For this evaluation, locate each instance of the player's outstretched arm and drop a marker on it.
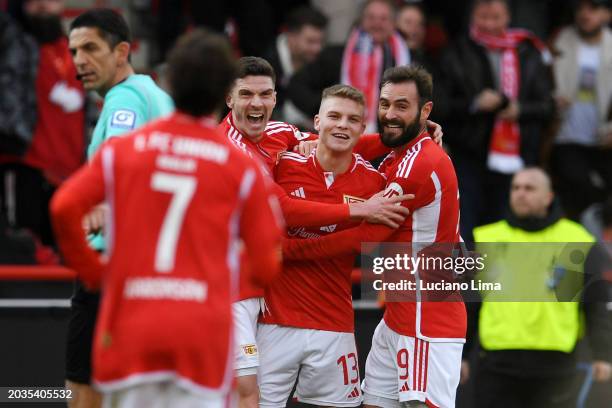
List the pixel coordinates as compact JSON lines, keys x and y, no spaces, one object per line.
{"x":378,"y":209}
{"x":347,"y":242}
{"x":69,"y":205}
{"x":260,"y":228}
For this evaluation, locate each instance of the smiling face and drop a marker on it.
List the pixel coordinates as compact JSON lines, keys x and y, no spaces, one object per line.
{"x":377,"y":20}
{"x":252,"y":100}
{"x":96,"y":63}
{"x":400,"y":115}
{"x":340,"y":123}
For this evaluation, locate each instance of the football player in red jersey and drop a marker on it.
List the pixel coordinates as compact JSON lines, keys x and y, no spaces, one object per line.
{"x":307,"y":331}
{"x":416,"y":350}
{"x":180,"y":198}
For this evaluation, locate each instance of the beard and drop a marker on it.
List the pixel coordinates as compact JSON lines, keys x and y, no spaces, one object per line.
{"x":410,"y":131}
{"x":45,"y":29}
{"x":589,"y":34}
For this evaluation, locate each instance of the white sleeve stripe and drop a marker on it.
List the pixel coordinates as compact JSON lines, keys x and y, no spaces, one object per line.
{"x":274,"y":125}
{"x":271,"y":132}
{"x":108,"y":163}
{"x":294,"y":156}
{"x":406,"y":172}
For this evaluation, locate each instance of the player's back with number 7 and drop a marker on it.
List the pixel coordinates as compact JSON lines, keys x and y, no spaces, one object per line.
{"x":181,"y":198}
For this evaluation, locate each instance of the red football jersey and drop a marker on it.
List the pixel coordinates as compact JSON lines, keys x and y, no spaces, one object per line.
{"x":421,"y":168}
{"x":181,"y":197}
{"x":317,"y":294}
{"x":278,"y":137}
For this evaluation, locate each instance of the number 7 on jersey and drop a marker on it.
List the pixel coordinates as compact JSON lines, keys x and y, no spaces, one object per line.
{"x":182,"y":189}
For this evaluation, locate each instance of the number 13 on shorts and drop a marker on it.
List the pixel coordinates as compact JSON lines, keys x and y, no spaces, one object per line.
{"x":351,"y":375}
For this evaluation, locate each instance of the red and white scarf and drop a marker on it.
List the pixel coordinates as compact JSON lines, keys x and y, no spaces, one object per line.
{"x":504,"y":150}
{"x":362,"y":66}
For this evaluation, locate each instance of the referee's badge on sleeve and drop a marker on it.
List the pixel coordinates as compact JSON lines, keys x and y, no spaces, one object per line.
{"x":124,"y":119}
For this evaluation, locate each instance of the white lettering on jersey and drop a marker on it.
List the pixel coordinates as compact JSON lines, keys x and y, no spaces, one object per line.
{"x":166,"y":288}
{"x":174,"y":163}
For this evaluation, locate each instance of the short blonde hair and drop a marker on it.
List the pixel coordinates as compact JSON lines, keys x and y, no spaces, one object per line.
{"x":344,"y":91}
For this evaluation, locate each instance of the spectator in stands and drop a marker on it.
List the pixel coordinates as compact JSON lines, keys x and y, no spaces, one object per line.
{"x":299,"y":45}
{"x":582,"y":155}
{"x":42,"y":115}
{"x":341,"y":15}
{"x":493,"y":96}
{"x":411,"y":24}
{"x":528,"y":348}
{"x":372,"y":47}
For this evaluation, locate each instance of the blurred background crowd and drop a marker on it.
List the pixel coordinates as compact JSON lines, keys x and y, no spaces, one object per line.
{"x":541,"y":96}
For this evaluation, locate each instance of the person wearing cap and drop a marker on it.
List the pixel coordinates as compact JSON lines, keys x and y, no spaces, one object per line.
{"x":581,"y":157}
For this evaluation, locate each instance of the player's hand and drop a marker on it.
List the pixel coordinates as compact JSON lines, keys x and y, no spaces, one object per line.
{"x":436,"y":132}
{"x":306,"y":147}
{"x":382,"y":210}
{"x":93,"y":222}
{"x":602,"y":371}
{"x":465,"y":372}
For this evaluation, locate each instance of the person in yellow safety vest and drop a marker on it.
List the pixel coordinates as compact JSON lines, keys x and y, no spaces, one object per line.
{"x":527,"y":349}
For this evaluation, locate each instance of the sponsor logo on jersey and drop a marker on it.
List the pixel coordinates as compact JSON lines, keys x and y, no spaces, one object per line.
{"x":405,"y":387}
{"x":249,"y":349}
{"x":349,"y":199}
{"x":123,"y":118}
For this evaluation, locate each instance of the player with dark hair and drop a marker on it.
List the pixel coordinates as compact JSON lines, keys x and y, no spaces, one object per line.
{"x":180,"y":199}
{"x":99,"y":41}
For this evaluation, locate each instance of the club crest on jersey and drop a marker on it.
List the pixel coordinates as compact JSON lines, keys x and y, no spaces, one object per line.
{"x":349,"y":199}
{"x":249,"y":349}
{"x":393,"y":190}
{"x":123,"y":118}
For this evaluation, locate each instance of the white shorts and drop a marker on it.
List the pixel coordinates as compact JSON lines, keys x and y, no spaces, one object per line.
{"x":323,"y":362}
{"x":402,"y":368}
{"x":246,"y":313}
{"x":161,"y":395}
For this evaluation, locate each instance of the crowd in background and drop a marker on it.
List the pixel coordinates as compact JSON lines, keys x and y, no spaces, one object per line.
{"x":556,"y":112}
